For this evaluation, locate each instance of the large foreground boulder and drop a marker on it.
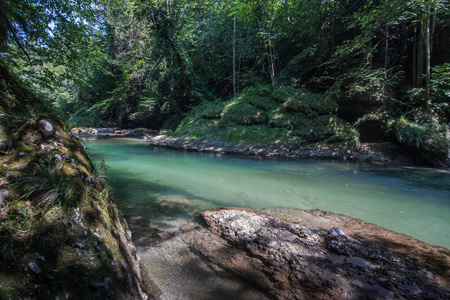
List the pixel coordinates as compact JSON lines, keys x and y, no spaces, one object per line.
{"x":293,"y":261}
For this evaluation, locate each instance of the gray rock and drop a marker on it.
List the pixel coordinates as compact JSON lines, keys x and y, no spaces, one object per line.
{"x":291,"y":268}
{"x":58,"y":157}
{"x":336,"y":232}
{"x":79,"y":245}
{"x":21,"y":153}
{"x":3,"y":194}
{"x":47,"y":126}
{"x":40,"y":257}
{"x":34,"y":267}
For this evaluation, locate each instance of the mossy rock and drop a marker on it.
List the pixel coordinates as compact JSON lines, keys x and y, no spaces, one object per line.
{"x":282,"y":119}
{"x":283,"y":93}
{"x":253,"y":134}
{"x":243,"y":114}
{"x":212,"y":111}
{"x":264,"y":103}
{"x":302,"y":100}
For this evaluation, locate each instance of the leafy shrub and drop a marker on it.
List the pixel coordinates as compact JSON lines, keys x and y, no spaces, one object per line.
{"x":424,"y":141}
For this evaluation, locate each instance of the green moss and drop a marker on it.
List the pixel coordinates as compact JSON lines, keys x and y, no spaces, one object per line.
{"x":243,"y":114}
{"x":258,"y":115}
{"x":253,"y":134}
{"x":212,"y":111}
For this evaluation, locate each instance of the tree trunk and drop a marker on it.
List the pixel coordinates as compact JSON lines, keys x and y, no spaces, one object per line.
{"x":428,"y":56}
{"x":386,"y":52}
{"x":272,"y":62}
{"x":420,"y":53}
{"x":234,"y":55}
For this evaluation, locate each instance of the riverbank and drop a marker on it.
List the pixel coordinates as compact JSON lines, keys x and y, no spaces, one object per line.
{"x":387,"y":153}
{"x":384,"y":153}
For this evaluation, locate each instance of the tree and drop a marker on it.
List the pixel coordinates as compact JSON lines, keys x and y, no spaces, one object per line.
{"x":45,"y":32}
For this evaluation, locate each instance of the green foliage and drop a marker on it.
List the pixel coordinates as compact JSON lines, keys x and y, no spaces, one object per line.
{"x":439,"y":100}
{"x":421,"y":139}
{"x":148,"y":64}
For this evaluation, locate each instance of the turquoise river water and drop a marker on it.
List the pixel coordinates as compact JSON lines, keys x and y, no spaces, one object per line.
{"x":410,"y":200}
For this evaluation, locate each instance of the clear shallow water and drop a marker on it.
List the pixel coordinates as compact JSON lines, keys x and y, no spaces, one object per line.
{"x":410,"y":200}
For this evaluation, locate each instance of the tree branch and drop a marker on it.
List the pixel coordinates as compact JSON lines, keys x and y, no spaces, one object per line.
{"x":17,"y":39}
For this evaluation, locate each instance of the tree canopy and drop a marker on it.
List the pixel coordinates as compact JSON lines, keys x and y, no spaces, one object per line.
{"x":129,"y":63}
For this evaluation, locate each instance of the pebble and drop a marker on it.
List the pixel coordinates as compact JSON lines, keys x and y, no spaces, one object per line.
{"x":336,"y":232}
{"x":58,"y":157}
{"x":79,"y":245}
{"x":40,"y":257}
{"x":47,"y":126}
{"x":34,"y":267}
{"x":3,"y":194}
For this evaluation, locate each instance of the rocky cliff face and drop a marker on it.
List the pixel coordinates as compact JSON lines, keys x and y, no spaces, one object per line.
{"x":61,"y":235}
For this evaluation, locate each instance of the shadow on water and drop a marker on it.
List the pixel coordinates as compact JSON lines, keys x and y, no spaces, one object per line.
{"x":438,"y":179}
{"x":137,"y":196}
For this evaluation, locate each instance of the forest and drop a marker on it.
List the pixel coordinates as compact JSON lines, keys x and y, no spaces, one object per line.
{"x":80,"y":218}
{"x":340,"y":71}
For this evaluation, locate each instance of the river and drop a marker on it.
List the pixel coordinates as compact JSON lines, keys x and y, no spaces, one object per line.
{"x":168,"y":186}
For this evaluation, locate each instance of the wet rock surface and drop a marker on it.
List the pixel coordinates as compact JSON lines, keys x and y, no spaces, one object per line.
{"x":177,"y":205}
{"x":144,"y":234}
{"x":289,"y":260}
